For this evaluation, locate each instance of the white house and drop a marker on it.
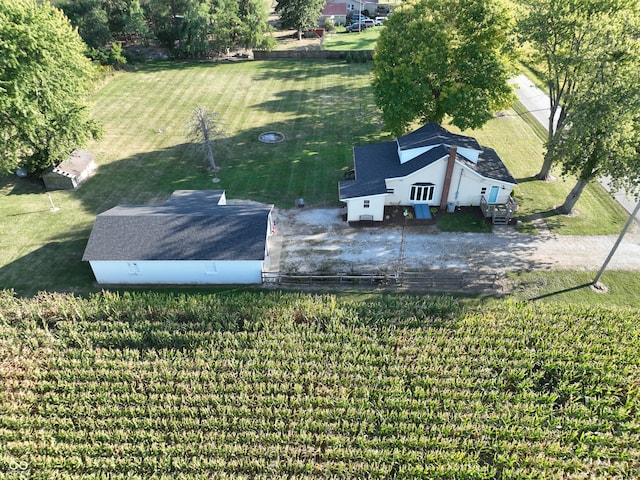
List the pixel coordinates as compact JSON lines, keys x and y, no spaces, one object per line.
{"x":428,"y":167}
{"x":193,"y":238}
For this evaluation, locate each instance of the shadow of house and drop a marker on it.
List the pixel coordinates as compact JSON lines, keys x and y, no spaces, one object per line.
{"x":70,"y":173}
{"x":193,"y":238}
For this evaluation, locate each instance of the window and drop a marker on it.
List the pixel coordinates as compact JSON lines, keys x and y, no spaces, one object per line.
{"x":133,"y":268}
{"x":210,"y":268}
{"x":422,"y":192}
{"x":391,"y":190}
{"x":367,"y":204}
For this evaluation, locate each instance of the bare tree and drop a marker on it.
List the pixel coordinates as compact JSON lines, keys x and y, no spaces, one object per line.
{"x":204,"y":127}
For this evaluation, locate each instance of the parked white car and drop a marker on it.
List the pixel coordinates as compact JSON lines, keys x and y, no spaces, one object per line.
{"x":378,"y":21}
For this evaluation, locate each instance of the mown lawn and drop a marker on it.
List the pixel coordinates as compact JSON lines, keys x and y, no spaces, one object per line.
{"x":521,"y":148}
{"x":342,"y":40}
{"x":146,"y":153}
{"x":323,"y":109}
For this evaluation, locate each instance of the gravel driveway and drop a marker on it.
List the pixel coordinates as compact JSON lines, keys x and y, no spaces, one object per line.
{"x":317,"y":239}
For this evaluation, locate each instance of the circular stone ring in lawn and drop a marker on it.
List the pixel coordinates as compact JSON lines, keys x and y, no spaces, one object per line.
{"x":271,"y":137}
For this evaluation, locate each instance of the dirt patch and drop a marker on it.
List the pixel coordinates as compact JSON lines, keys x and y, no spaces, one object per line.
{"x":320,"y":240}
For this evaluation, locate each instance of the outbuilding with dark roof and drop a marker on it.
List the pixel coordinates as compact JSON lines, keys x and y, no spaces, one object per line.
{"x":193,"y":238}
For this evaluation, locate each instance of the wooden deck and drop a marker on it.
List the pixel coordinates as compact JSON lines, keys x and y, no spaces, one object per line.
{"x":500,"y":213}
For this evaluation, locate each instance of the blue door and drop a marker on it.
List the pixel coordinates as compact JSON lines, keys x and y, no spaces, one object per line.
{"x":493,"y":194}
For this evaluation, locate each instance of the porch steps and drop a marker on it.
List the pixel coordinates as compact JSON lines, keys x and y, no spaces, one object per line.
{"x":500,"y":215}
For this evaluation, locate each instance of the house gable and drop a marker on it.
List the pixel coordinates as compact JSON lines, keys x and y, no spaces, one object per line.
{"x":431,"y":135}
{"x":374,"y":164}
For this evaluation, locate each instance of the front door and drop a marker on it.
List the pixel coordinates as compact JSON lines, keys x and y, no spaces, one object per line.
{"x":493,"y":194}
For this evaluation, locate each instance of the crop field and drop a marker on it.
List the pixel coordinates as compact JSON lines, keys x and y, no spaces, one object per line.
{"x":300,"y":386}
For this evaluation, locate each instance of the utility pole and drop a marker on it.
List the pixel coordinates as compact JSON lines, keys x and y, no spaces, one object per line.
{"x":632,"y":218}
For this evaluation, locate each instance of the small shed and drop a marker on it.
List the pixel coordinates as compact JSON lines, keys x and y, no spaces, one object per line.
{"x":70,"y":173}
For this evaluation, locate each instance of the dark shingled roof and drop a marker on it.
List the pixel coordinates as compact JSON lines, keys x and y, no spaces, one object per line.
{"x":374,"y":163}
{"x":434,"y":134}
{"x":377,"y":162}
{"x":180,"y":229}
{"x":490,"y":166}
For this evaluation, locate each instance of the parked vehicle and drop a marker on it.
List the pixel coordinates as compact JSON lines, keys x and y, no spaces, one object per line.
{"x":368,"y":22}
{"x":357,"y":27}
{"x":357,"y":19}
{"x":379,"y":21}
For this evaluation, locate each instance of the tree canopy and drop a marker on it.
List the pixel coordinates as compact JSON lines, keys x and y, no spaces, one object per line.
{"x":191,"y":28}
{"x":588,"y":52}
{"x":436,"y":59}
{"x":569,"y":40}
{"x":299,"y":15}
{"x":601,"y":137}
{"x":44,"y":78}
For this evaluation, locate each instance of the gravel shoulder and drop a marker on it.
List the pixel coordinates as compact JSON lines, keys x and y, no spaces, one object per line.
{"x":317,"y":239}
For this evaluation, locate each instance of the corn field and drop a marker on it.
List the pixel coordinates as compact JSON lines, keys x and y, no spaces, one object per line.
{"x":287,"y":385}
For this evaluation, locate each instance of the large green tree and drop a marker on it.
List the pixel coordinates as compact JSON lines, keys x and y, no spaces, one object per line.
{"x":256,"y":31}
{"x":44,"y":78}
{"x":601,"y":137}
{"x":91,"y":20}
{"x":195,"y":28}
{"x":135,"y":22}
{"x":299,"y":15}
{"x":569,"y":38}
{"x":443,"y":58}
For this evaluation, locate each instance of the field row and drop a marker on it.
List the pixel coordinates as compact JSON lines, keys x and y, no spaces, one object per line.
{"x":314,"y":387}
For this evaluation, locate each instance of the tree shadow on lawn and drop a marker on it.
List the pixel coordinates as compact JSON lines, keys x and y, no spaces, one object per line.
{"x":304,"y":164}
{"x":168,"y":65}
{"x":144,"y":178}
{"x":329,"y":118}
{"x":15,"y":185}
{"x":54,"y":267}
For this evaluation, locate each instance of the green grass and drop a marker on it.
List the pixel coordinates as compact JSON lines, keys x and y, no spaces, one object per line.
{"x":342,"y":40}
{"x":520,"y":146}
{"x":462,"y":222}
{"x":145,"y":155}
{"x":314,"y":386}
{"x":574,"y":287}
{"x":148,"y":155}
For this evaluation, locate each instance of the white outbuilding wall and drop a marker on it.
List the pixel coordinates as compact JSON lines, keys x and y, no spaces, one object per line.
{"x":365,"y":208}
{"x":172,"y":272}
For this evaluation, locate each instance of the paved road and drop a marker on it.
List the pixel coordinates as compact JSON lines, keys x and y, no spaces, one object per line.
{"x":537,"y":103}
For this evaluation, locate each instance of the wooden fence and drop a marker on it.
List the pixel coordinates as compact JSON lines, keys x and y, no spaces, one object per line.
{"x":425,"y":280}
{"x":375,"y":279}
{"x":353,"y":55}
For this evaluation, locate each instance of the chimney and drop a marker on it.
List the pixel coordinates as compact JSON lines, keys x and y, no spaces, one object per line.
{"x":447,"y":176}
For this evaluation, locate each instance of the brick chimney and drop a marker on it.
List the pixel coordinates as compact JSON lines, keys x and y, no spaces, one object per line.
{"x":447,"y":176}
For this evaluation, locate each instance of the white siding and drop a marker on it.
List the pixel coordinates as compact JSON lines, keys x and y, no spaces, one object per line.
{"x":357,"y":211}
{"x":433,"y":173}
{"x":177,"y":272}
{"x":466,"y":189}
{"x":407,"y":155}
